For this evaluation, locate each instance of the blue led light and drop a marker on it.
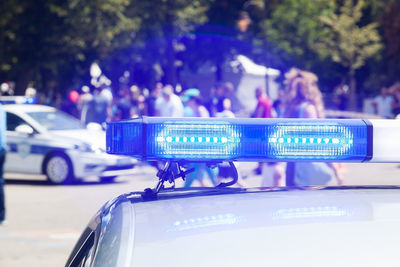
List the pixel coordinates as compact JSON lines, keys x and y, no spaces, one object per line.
{"x":191,"y":140}
{"x":197,"y":139}
{"x":311,"y":212}
{"x":326,"y":141}
{"x":29,"y":100}
{"x":202,"y":222}
{"x":18,"y":100}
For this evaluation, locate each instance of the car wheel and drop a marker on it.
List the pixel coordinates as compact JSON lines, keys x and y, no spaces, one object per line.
{"x":58,"y":169}
{"x":107,"y":179}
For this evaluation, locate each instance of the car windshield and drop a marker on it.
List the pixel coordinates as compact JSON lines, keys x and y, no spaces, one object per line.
{"x":56,"y":120}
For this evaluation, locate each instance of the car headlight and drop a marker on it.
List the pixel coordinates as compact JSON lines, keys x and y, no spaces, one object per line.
{"x":96,"y":149}
{"x":90,"y":148}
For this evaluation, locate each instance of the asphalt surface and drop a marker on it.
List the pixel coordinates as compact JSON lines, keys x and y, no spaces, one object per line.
{"x":44,"y":221}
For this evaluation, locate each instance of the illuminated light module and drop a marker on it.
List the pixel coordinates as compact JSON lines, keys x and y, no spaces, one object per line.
{"x":193,"y":139}
{"x":240,"y":140}
{"x":310,"y":140}
{"x":206,"y":221}
{"x":311,"y":212}
{"x":196,"y":140}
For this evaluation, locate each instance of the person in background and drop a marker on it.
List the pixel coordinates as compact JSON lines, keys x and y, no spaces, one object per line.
{"x":278,"y":106}
{"x":212,"y":101}
{"x":141,"y":108}
{"x":194,"y":108}
{"x":304,"y":100}
{"x":263,"y":110}
{"x":153,"y":103}
{"x":6,"y":89}
{"x":264,"y":105}
{"x":83,"y":103}
{"x":123,"y":106}
{"x":217,"y":96}
{"x":3,"y":147}
{"x":99,"y":110}
{"x":169,"y":104}
{"x":341,"y":98}
{"x":151,"y":100}
{"x":394,"y":90}
{"x":225,"y":170}
{"x":271,"y":172}
{"x":229,"y":93}
{"x":57,"y":101}
{"x":106,"y":93}
{"x":135,"y":94}
{"x":193,"y":104}
{"x":226,"y":112}
{"x":70,"y":105}
{"x":383,"y":104}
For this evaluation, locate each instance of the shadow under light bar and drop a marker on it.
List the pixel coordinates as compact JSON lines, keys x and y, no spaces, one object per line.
{"x":214,"y":139}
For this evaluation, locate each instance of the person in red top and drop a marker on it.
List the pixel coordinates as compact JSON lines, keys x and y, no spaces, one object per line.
{"x":264,"y":105}
{"x":263,"y":110}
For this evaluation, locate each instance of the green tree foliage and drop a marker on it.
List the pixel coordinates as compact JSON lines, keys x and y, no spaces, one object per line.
{"x":293,"y":28}
{"x":347,"y":43}
{"x":53,"y":40}
{"x":97,"y":25}
{"x":390,"y":23}
{"x":217,"y":40}
{"x":155,"y":47}
{"x":230,"y":30}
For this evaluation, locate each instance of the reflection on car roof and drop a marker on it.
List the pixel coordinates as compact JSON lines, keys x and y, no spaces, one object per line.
{"x":28,"y":108}
{"x":255,"y":227}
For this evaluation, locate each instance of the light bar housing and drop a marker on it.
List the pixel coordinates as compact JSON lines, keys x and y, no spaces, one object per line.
{"x":17,"y":100}
{"x":222,"y":139}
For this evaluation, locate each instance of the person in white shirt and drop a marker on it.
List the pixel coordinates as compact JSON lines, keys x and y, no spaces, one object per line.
{"x":383,"y":104}
{"x":227,"y":112}
{"x":169,"y":104}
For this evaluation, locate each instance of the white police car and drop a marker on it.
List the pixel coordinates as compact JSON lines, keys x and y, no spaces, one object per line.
{"x":299,"y":226}
{"x":44,"y":140}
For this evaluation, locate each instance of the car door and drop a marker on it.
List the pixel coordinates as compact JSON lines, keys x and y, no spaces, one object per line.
{"x":23,"y":153}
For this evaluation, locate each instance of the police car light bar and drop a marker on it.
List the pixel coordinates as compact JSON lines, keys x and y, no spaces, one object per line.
{"x":212,"y":139}
{"x":386,"y":143}
{"x":17,"y":100}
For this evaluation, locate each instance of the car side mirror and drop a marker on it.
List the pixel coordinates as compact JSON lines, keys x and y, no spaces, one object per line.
{"x":92,"y":126}
{"x":24,"y":129}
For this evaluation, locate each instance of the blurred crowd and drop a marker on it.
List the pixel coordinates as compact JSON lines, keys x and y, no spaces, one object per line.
{"x":101,"y":104}
{"x":300,"y":98}
{"x":387,"y":103}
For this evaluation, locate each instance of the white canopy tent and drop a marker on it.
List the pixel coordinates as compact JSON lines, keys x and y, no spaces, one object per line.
{"x":254,"y":75}
{"x":245,"y":75}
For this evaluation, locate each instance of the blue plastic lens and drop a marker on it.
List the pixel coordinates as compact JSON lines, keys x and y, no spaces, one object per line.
{"x":307,"y":141}
{"x":191,"y":140}
{"x":240,"y":139}
{"x":29,"y":100}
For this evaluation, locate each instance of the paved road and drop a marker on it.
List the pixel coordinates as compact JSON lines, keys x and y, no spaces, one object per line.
{"x":45,"y":221}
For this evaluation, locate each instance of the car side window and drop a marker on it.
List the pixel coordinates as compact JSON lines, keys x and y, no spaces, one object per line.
{"x":13,"y":121}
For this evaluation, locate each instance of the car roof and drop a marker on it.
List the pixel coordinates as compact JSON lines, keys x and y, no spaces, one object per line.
{"x":355,"y":227}
{"x":22,"y":110}
{"x":28,"y":108}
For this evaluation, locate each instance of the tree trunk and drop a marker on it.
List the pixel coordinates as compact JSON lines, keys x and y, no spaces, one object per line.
{"x":267,"y":66}
{"x":353,"y":93}
{"x":218,"y":72}
{"x":170,"y":70}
